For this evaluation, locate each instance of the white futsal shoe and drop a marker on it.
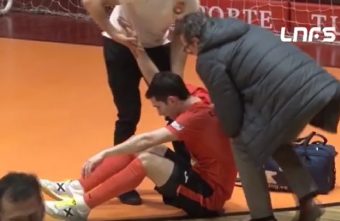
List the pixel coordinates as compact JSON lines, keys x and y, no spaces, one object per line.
{"x":69,"y":209}
{"x":62,"y":189}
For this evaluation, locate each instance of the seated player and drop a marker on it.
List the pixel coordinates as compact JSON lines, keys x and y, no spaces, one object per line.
{"x":20,"y":198}
{"x":200,"y":190}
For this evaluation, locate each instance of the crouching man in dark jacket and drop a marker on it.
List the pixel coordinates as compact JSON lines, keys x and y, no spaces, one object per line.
{"x":265,"y":92}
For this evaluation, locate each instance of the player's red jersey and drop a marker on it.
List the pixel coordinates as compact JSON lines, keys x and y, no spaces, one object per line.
{"x":209,"y":147}
{"x":200,"y":92}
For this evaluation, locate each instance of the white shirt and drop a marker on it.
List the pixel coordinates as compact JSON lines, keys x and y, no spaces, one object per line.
{"x":151,"y":19}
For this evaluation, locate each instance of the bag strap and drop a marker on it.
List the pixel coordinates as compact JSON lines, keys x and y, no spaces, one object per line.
{"x":324,"y":139}
{"x":305,"y":141}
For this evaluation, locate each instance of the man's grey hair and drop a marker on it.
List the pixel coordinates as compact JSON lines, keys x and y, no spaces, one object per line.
{"x":191,"y":25}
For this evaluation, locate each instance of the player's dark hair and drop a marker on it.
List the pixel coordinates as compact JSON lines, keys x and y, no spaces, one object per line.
{"x":165,"y":84}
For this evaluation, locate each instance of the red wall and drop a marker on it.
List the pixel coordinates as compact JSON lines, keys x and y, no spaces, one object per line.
{"x":271,"y":14}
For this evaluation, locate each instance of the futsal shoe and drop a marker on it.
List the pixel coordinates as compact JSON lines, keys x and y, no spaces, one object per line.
{"x":62,"y":189}
{"x":69,"y":209}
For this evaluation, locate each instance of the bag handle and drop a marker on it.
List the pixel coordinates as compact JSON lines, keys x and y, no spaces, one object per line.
{"x":305,"y":141}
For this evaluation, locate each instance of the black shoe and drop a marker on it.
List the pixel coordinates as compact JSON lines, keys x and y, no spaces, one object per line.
{"x":131,"y":198}
{"x":309,"y":211}
{"x":269,"y":218}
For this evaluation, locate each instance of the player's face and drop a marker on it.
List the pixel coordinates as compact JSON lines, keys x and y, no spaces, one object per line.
{"x":28,"y":210}
{"x":167,"y":109}
{"x":190,"y":47}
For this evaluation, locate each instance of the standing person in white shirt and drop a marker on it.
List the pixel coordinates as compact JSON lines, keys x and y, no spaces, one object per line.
{"x":151,"y":20}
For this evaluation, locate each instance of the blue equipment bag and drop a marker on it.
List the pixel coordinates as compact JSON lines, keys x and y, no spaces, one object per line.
{"x":318,"y":157}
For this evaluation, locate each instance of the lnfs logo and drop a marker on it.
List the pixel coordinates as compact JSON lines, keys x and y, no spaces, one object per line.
{"x":328,"y":34}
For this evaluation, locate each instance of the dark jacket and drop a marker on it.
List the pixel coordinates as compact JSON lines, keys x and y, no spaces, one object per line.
{"x":265,"y":91}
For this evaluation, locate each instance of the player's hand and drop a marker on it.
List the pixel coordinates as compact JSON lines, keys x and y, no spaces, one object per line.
{"x":92,"y":163}
{"x":136,"y":49}
{"x":136,"y":45}
{"x":127,"y":41}
{"x":126,"y":26}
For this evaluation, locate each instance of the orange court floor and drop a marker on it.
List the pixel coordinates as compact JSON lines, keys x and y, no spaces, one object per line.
{"x":57,"y":110}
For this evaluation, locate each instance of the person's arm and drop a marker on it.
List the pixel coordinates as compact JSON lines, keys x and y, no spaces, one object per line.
{"x":133,"y":145}
{"x":96,"y":9}
{"x":228,"y":103}
{"x":145,"y":64}
{"x":141,"y":142}
{"x":149,"y":69}
{"x":178,"y":55}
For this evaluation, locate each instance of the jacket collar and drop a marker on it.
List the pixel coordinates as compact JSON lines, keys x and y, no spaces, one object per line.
{"x":217,"y":32}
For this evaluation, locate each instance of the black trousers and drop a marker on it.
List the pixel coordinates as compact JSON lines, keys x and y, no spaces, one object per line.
{"x":124,"y":77}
